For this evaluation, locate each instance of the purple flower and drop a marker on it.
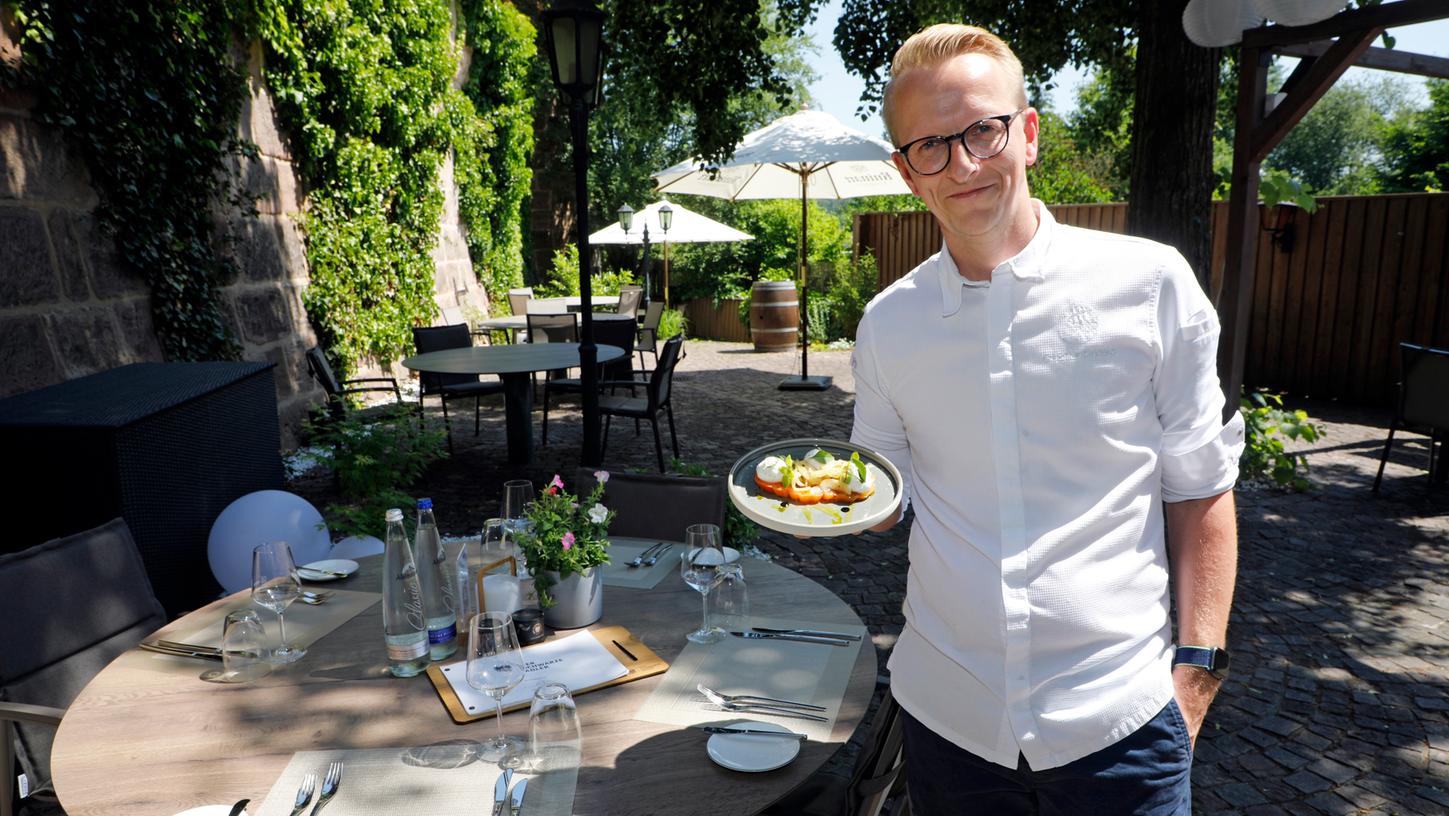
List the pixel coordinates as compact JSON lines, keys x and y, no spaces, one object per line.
{"x":601,"y":476}
{"x":567,"y":541}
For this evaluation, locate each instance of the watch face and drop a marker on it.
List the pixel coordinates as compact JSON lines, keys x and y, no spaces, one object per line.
{"x":1220,"y":661}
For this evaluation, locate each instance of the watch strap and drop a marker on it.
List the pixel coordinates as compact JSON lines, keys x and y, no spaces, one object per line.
{"x":1211,"y":660}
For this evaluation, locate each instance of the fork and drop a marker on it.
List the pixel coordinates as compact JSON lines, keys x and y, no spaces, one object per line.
{"x":773,"y":711}
{"x":654,"y":559}
{"x":314,"y":598}
{"x":304,"y":793}
{"x":639,"y":559}
{"x":744,"y":699}
{"x":330,"y":783}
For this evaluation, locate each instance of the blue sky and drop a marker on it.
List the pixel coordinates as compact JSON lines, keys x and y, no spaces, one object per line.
{"x":838,"y":92}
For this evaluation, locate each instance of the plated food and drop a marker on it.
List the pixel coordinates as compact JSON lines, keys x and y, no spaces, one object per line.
{"x":817,"y":477}
{"x":815,"y":487}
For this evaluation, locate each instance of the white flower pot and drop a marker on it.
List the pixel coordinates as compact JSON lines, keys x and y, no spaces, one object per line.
{"x":578,"y":600}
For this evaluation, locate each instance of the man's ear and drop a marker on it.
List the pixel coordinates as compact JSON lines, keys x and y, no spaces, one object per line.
{"x":905,"y":171}
{"x":1031,"y":128}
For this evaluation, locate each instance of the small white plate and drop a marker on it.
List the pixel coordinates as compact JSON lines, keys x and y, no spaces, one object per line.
{"x":753,"y":753}
{"x":731,"y":555}
{"x":343,"y":565}
{"x":209,"y":810}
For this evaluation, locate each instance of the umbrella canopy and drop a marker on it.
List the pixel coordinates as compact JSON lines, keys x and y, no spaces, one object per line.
{"x":805,"y":155}
{"x":688,"y":227}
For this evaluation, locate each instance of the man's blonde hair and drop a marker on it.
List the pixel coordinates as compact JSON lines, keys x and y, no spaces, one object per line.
{"x":938,"y":43}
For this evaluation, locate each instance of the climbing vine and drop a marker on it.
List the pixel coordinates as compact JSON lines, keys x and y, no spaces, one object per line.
{"x":148,"y":96}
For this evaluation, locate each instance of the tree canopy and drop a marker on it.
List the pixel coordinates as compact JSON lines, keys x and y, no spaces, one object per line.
{"x":1416,"y":147}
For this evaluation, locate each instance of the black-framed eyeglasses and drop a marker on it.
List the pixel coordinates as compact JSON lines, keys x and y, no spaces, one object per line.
{"x":984,"y":139}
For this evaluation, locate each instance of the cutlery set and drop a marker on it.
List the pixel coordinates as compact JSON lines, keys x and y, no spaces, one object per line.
{"x":178,"y":649}
{"x":651,"y":556}
{"x":757,"y":703}
{"x":508,"y":795}
{"x":331,"y":781}
{"x":799,"y":636}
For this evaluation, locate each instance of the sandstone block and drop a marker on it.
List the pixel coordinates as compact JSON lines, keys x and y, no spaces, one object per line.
{"x":258,"y":122}
{"x":262,"y":314}
{"x":29,"y":275}
{"x":272,"y":183}
{"x":26,"y":356}
{"x":86,"y":340}
{"x":260,"y":250}
{"x":138,"y":331}
{"x":110,"y":276}
{"x":65,"y":238}
{"x":294,"y":252}
{"x":35,"y":165}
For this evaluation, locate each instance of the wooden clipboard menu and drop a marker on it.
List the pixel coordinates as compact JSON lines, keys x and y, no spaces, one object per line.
{"x":638,"y":660}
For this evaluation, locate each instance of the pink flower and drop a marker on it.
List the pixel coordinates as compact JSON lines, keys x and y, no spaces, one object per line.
{"x":567,"y":541}
{"x":554,"y":486}
{"x":601,"y":476}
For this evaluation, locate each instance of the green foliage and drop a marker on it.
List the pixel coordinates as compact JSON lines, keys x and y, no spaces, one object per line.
{"x":375,"y":458}
{"x":1416,"y":146}
{"x":717,"y":271}
{"x":1101,"y":126}
{"x":363,"y":89}
{"x":739,"y":531}
{"x":1277,"y":187}
{"x":148,"y":96}
{"x":562,"y":277}
{"x":1335,"y":148}
{"x":672,"y":322}
{"x":568,"y":535}
{"x":1065,"y":173}
{"x":1267,"y":425}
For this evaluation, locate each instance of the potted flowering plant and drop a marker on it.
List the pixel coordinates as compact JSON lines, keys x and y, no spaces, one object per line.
{"x":566,"y":543}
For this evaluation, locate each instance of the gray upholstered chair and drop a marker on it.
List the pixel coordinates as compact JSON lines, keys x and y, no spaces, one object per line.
{"x":1423,"y":406}
{"x":648,"y":338}
{"x":630,"y":296}
{"x":338,"y":390}
{"x":451,"y":386}
{"x":658,"y":507}
{"x":656,"y":400}
{"x":68,"y":607}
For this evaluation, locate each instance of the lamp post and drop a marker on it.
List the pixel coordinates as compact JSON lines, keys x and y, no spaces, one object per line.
{"x":573,"y":30}
{"x":666,"y":217}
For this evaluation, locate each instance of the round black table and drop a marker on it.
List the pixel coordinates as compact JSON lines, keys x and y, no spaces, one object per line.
{"x":513,"y":364}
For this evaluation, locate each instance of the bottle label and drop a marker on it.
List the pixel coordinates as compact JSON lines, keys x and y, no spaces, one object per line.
{"x":403,"y":652}
{"x":443,"y":635}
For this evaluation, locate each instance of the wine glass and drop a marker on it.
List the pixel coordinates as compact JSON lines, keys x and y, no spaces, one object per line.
{"x":699,"y":566}
{"x":517,"y":495}
{"x":275,"y":584}
{"x":730,"y":600}
{"x":554,"y":737}
{"x":241,"y":649}
{"x":495,"y":667}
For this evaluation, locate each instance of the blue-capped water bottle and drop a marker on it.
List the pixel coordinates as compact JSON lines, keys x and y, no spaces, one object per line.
{"x":436,"y":581}
{"x":403,"y":626}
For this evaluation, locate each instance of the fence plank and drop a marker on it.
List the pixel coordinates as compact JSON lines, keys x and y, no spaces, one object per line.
{"x":1369,"y":265}
{"x":1386,"y":300}
{"x":1309,"y":293}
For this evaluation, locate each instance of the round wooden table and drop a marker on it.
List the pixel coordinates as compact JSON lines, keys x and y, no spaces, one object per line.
{"x":146,"y":736}
{"x":513,"y":364}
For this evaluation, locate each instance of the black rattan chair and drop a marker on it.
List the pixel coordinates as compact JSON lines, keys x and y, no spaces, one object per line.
{"x":451,"y":386}
{"x":649,"y":406}
{"x":1423,"y":406}
{"x":658,"y":507}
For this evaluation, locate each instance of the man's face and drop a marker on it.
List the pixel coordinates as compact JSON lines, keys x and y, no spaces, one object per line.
{"x":971,"y":197}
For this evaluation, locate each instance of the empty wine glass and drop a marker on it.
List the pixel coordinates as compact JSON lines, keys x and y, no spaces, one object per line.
{"x":495,"y":667}
{"x":699,"y":566}
{"x":275,"y":584}
{"x":554,"y":737}
{"x":730,"y":600}
{"x":517,"y":495}
{"x":242,"y":651}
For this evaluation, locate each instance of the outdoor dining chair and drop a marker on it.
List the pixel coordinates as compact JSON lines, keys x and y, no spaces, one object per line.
{"x":658,"y":507}
{"x":518,"y":305}
{"x":338,"y":390}
{"x":1423,"y":406}
{"x":68,"y":608}
{"x":606,"y":333}
{"x":451,"y":386}
{"x":648,"y":336}
{"x":878,"y":777}
{"x":655,"y":401}
{"x":630,"y":296}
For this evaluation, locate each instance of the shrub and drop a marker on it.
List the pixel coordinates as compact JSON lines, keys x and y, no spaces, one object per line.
{"x":1267,"y":424}
{"x":672,"y":322}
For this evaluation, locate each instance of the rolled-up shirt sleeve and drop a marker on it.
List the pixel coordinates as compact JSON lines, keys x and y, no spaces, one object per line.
{"x":877,"y":425}
{"x":1199,"y":451}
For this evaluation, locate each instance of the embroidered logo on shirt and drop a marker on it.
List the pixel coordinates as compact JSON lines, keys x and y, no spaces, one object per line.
{"x":1078,"y":325}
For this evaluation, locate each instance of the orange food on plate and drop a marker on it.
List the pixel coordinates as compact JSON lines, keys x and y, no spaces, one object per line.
{"x":818,"y":477}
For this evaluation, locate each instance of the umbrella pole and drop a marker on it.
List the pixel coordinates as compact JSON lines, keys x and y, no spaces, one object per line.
{"x":804,"y":382}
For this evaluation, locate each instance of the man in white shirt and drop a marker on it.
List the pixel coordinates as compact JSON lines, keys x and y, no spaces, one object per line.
{"x":1051,"y":397}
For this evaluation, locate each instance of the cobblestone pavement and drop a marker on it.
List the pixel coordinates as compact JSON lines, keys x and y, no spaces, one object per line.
{"x":1338,"y":701}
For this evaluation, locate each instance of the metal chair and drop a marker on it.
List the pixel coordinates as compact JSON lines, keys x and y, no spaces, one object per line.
{"x":658,"y":507}
{"x":451,"y":386}
{"x":69,"y":607}
{"x":338,"y":390}
{"x":630,"y":296}
{"x":656,"y":400}
{"x":1423,"y":406}
{"x":606,"y":333}
{"x":648,"y":336}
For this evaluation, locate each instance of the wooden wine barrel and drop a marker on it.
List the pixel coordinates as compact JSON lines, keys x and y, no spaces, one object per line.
{"x":774,"y":315}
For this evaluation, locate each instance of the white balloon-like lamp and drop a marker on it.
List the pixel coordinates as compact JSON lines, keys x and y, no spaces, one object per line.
{"x":266,"y":515}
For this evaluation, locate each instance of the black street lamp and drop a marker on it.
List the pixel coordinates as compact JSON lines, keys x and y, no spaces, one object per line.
{"x":574,"y":30}
{"x":666,"y":219}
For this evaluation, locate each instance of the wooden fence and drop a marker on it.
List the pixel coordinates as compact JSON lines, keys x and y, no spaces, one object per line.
{"x":710,"y":322}
{"x":1365,"y":273}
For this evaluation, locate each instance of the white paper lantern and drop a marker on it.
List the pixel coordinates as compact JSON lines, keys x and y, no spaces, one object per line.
{"x":355,"y":547}
{"x":1218,"y":23}
{"x":266,"y":515}
{"x":1298,"y":12}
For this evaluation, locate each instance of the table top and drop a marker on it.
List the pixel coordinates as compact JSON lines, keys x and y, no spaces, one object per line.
{"x":146,"y":736}
{"x":517,"y":358}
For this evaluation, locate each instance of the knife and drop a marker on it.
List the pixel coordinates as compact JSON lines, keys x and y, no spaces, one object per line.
{"x":237,"y":808}
{"x":189,"y":647}
{"x":327,"y":572}
{"x":717,"y":729}
{"x":828,"y":641}
{"x":500,"y":791}
{"x":520,"y":788}
{"x":174,"y":652}
{"x":806,"y":632}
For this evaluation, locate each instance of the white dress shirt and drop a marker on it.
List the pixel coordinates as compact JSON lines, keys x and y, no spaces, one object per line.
{"x":1040,"y":421}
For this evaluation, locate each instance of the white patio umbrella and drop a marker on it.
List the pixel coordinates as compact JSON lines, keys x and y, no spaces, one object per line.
{"x":685,"y":227}
{"x":805,"y":155}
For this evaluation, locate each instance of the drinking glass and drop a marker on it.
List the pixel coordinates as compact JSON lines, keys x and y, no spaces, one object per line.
{"x":517,"y":495}
{"x":699,"y":566}
{"x":554,"y":736}
{"x":495,"y":667}
{"x":730,"y":600}
{"x":242,"y":651}
{"x":275,"y":584}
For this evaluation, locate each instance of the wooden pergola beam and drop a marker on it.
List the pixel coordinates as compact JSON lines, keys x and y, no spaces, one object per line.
{"x":1306,"y":87}
{"x":1388,"y":15}
{"x":1381,"y":59}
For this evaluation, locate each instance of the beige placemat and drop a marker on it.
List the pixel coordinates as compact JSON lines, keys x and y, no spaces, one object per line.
{"x":440,"y":779}
{"x":306,"y":623}
{"x":622,"y":550}
{"x":786,"y":670}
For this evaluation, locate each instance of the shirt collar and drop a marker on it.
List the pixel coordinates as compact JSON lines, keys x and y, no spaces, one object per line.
{"x":1025,"y":265}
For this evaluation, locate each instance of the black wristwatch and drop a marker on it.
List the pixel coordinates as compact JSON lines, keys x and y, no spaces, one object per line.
{"x":1211,"y":660}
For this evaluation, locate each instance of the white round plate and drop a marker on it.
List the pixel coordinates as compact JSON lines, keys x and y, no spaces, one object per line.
{"x":731,"y":555}
{"x":209,"y":810}
{"x":753,"y":753}
{"x":814,"y":520}
{"x":345,"y":566}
